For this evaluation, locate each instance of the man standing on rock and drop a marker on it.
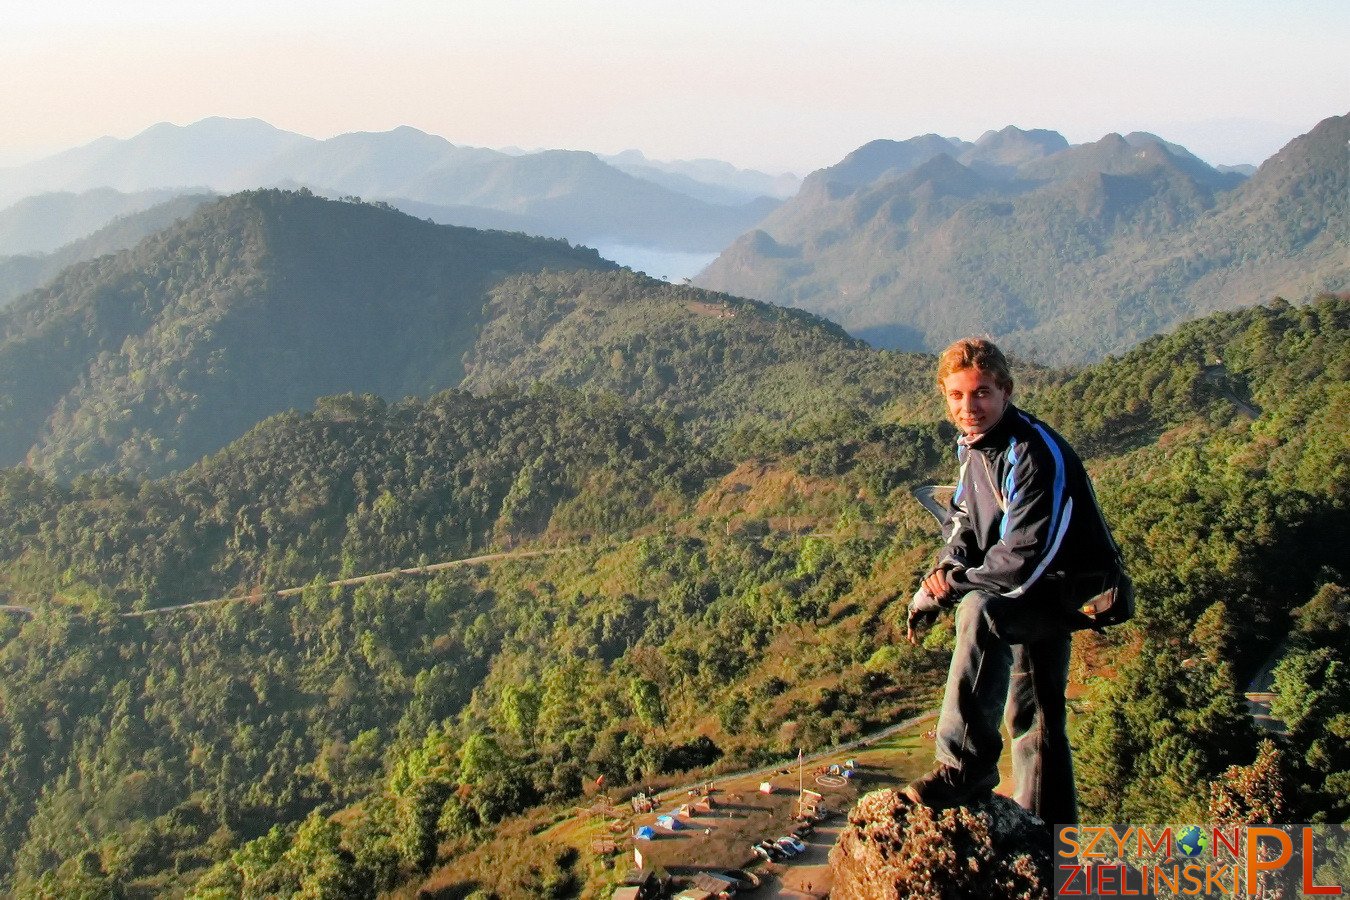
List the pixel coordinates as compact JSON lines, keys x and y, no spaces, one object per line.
{"x":1025,"y":540}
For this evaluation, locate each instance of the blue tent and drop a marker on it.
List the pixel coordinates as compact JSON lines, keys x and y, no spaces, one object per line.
{"x":645,"y":833}
{"x":670,"y":823}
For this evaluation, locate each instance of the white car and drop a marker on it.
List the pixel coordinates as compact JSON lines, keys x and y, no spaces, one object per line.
{"x":791,"y":846}
{"x":770,"y":851}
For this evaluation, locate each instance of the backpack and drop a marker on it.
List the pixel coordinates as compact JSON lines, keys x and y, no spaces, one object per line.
{"x":1101,"y":599}
{"x":1113,"y":605}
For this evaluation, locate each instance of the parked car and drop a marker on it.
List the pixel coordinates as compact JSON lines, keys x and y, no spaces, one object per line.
{"x":791,"y":845}
{"x":770,"y":850}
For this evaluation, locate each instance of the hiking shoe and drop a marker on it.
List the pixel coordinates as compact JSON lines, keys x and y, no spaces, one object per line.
{"x":945,"y":787}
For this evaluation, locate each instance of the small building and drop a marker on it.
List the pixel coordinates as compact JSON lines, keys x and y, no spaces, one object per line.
{"x":766,"y":787}
{"x":716,"y":885}
{"x":810,"y":804}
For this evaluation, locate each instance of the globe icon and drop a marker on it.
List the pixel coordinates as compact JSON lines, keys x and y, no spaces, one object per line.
{"x":1192,"y":841}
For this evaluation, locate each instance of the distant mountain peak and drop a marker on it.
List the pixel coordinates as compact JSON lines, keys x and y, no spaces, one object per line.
{"x":1144,"y":138}
{"x":884,"y":158}
{"x":1011,"y":133}
{"x":1011,"y":147}
{"x":944,"y":173}
{"x":631,"y":155}
{"x":217,"y":125}
{"x":699,"y":206}
{"x":1319,"y":145}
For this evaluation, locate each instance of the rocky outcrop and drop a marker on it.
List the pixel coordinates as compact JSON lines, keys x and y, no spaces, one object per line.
{"x":895,"y":848}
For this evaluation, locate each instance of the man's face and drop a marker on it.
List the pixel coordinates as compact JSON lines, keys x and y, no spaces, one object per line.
{"x":974,"y":402}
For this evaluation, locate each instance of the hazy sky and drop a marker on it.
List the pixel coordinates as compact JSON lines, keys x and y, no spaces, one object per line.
{"x":775,"y":84}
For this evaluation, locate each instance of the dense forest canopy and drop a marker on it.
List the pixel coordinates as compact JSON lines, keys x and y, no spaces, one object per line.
{"x":720,"y":602}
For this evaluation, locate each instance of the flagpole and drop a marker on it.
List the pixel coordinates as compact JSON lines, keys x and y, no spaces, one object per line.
{"x":799,"y":788}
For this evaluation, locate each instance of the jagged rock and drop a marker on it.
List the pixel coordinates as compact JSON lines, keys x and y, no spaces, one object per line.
{"x":895,"y":848}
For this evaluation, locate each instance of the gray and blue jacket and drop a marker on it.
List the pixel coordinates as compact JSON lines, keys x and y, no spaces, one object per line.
{"x":1024,"y":513}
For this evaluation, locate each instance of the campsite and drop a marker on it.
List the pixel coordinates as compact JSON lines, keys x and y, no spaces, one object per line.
{"x":684,"y":830}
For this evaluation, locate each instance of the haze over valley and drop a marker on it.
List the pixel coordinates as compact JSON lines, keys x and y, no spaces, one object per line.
{"x":876,"y":241}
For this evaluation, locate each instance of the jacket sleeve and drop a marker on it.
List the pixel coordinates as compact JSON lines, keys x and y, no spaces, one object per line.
{"x":1037,"y":510}
{"x":961,"y":550}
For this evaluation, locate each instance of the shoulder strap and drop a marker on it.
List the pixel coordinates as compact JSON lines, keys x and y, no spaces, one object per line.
{"x":1106,"y":528}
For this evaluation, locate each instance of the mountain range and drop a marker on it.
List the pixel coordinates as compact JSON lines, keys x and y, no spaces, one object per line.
{"x":45,"y":222}
{"x":144,"y":360}
{"x":1065,"y":253}
{"x":707,"y":179}
{"x":212,"y":314}
{"x":554,"y":193}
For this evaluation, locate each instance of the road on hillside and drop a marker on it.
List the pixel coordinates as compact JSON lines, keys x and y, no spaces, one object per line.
{"x":1261,"y":692}
{"x":1217,"y":375}
{"x":348,"y":582}
{"x":341,"y":582}
{"x":926,"y":494}
{"x":865,"y":740}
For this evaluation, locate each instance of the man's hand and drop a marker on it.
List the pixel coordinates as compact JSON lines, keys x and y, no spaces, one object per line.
{"x":935,"y":583}
{"x":923,"y":611}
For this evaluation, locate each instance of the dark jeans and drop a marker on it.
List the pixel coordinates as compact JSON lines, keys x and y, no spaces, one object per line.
{"x":1012,"y":661}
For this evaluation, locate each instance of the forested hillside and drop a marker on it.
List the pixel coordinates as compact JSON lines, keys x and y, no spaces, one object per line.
{"x":1063,"y":253}
{"x":1234,"y":518}
{"x":261,"y":711}
{"x":22,"y":273}
{"x":718,"y":363}
{"x":724,"y":602}
{"x":145,"y":360}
